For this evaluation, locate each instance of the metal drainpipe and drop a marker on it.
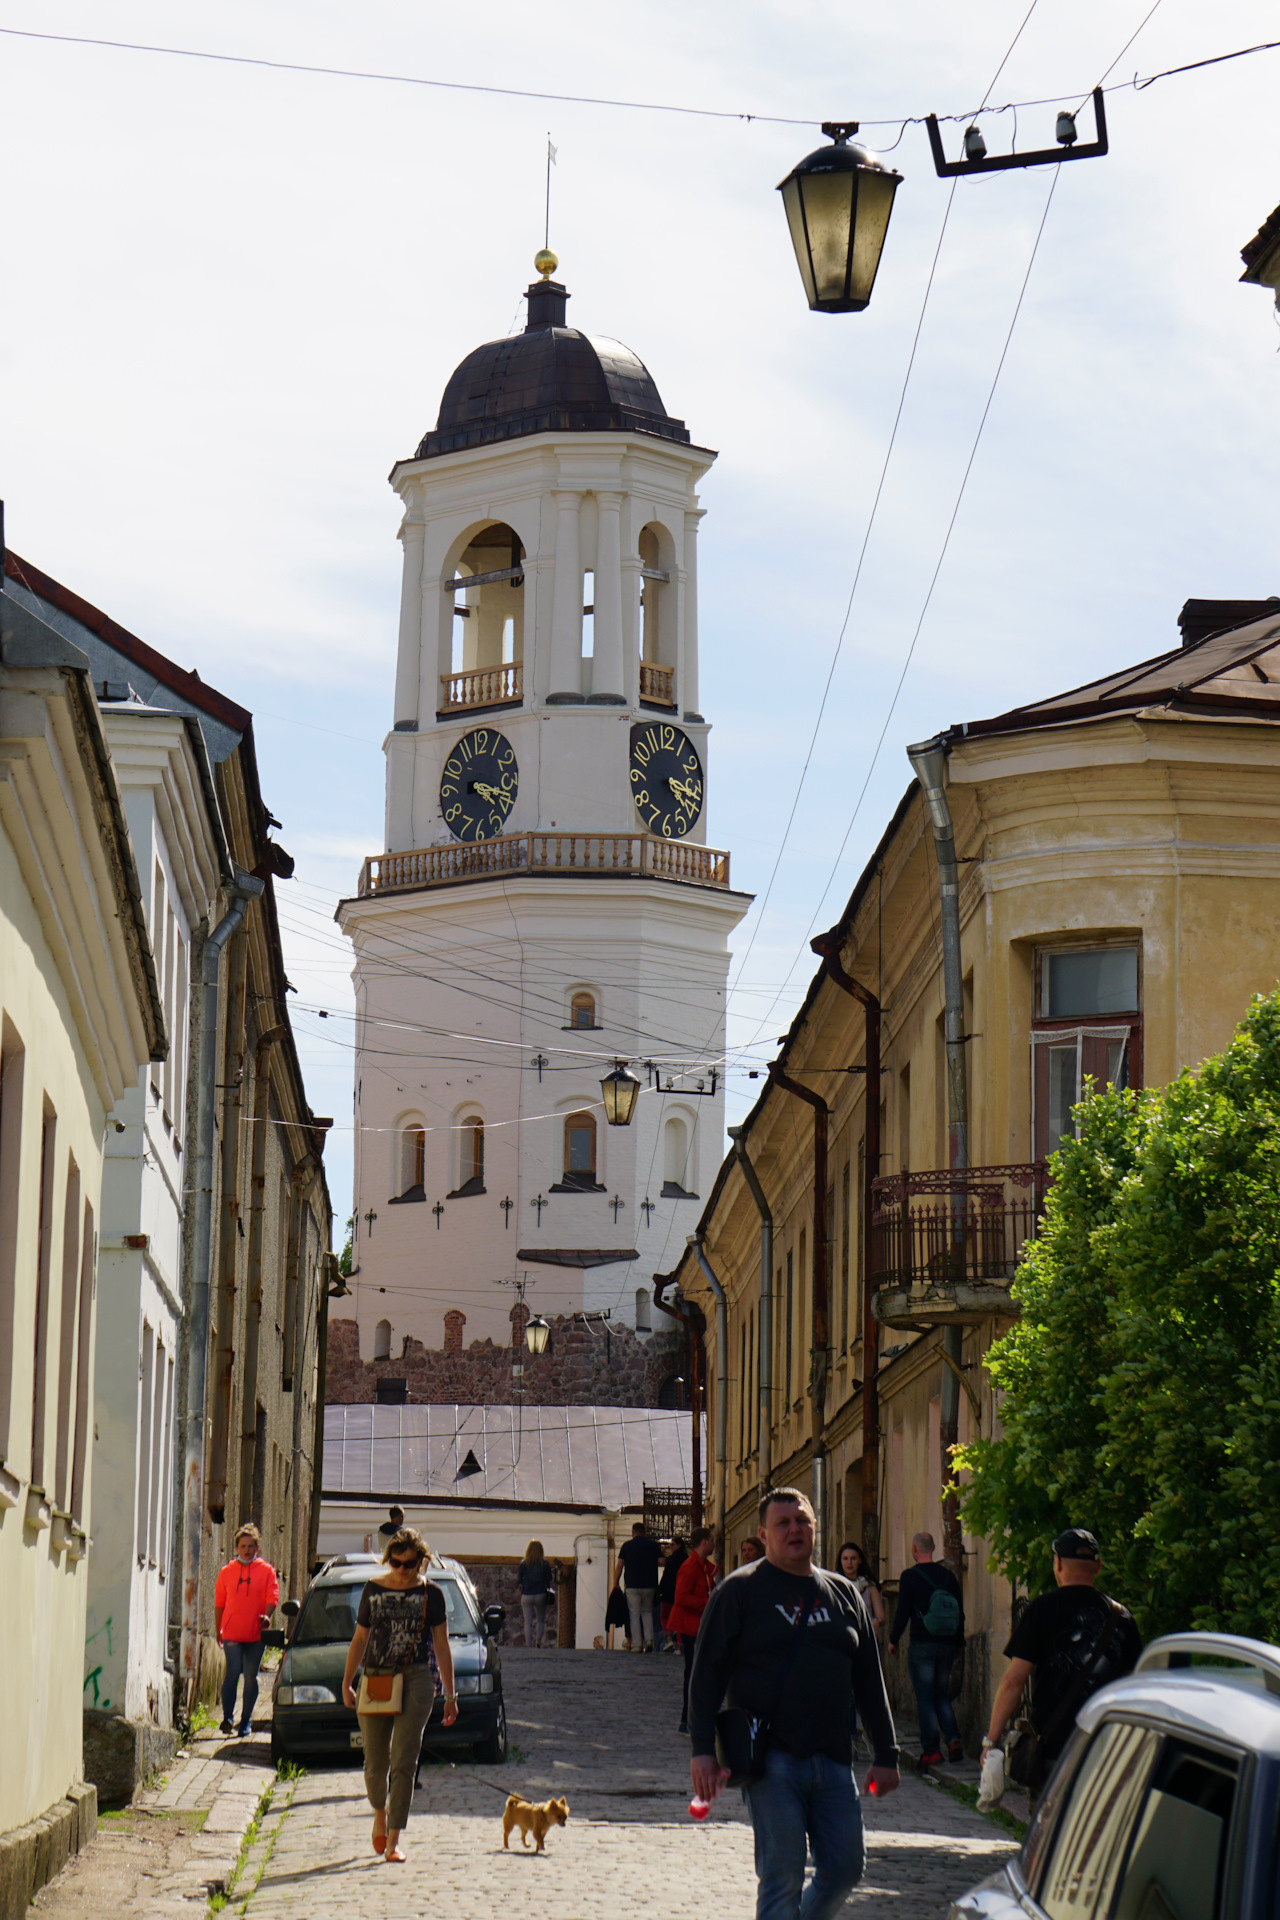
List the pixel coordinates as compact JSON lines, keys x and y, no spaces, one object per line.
{"x":232,"y":1228}
{"x":929,"y":761}
{"x":764,"y":1369}
{"x":694,"y":1326}
{"x":828,"y":945}
{"x":722,"y":1374}
{"x":243,"y":889}
{"x":304,"y":1179}
{"x":821,"y":1320}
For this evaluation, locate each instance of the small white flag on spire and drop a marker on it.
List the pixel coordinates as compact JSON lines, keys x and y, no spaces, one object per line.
{"x":551,"y":152}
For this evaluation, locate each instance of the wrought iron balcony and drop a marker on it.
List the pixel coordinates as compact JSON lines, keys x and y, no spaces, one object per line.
{"x":945,"y":1244}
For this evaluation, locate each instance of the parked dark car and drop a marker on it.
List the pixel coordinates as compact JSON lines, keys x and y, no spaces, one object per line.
{"x":1165,"y":1804}
{"x":308,"y":1716}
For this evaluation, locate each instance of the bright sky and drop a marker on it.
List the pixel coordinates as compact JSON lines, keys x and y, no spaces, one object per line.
{"x":234,"y":295}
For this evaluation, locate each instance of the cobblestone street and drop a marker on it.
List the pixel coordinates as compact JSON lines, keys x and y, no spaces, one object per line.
{"x":601,"y":1729}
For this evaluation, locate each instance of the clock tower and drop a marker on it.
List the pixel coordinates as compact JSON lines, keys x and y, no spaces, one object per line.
{"x":546,"y":905}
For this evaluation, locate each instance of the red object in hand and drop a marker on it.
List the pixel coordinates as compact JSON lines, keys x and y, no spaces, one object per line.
{"x":699,"y":1809}
{"x":872,"y":1787}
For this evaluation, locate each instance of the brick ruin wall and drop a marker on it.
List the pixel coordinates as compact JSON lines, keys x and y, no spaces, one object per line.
{"x":584,"y":1366}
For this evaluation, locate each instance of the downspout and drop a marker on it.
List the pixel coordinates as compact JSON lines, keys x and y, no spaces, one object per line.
{"x":253,"y":1284}
{"x":821,"y":1321}
{"x":230,"y":1234}
{"x":242,"y":890}
{"x":929,"y":760}
{"x":694,"y":1326}
{"x":828,"y":945}
{"x":305,"y":1176}
{"x":764,"y":1364}
{"x":335,"y":1288}
{"x":722,"y":1375}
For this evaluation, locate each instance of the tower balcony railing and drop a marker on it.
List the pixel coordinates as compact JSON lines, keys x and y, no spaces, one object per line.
{"x":946,"y":1243}
{"x":590,"y":855}
{"x":658,"y":685}
{"x":483,"y":687}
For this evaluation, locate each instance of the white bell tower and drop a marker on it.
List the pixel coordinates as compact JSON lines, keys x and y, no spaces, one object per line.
{"x":546,"y":905}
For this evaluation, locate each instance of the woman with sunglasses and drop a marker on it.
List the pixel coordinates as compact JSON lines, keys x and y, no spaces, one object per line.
{"x":402,"y":1626}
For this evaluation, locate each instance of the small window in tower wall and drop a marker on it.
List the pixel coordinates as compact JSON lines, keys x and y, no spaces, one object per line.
{"x":582,"y":1012}
{"x":382,"y":1340}
{"x":643,"y":1322}
{"x":588,"y":615}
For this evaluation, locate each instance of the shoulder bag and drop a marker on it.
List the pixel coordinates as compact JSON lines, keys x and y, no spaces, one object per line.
{"x":384,"y":1692}
{"x":1025,"y":1760}
{"x":742,"y":1739}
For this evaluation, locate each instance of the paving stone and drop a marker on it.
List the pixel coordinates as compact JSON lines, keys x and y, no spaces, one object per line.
{"x":599,"y":1727}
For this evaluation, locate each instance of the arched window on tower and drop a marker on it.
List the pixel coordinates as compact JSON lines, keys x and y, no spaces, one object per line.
{"x":657,"y":655}
{"x":582,"y":1011}
{"x":412,"y":1150}
{"x":644,"y":1322}
{"x":470,"y":1158}
{"x":382,"y":1340}
{"x":486,"y":657}
{"x":579,"y":1155}
{"x":675,"y":1159}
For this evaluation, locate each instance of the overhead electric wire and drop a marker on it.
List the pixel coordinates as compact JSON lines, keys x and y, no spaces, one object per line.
{"x":595,"y":100}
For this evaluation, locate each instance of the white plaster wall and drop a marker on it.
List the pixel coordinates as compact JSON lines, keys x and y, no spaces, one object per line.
{"x":349,"y":1526}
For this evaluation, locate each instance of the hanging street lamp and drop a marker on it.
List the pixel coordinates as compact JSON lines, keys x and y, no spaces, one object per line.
{"x":536,"y":1335}
{"x":619,"y":1089}
{"x":838,"y":201}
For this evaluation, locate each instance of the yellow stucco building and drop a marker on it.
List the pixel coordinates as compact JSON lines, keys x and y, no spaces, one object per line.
{"x":1118,"y":869}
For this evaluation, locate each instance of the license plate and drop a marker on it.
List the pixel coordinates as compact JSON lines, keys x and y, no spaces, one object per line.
{"x":357,"y":1740}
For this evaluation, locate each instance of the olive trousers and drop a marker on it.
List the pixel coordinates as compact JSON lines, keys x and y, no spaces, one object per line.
{"x":392,"y":1744}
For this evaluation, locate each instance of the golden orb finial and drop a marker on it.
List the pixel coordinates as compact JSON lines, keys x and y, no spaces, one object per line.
{"x":545,"y":261}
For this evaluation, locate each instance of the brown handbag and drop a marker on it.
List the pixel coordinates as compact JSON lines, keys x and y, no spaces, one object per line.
{"x":384,"y":1692}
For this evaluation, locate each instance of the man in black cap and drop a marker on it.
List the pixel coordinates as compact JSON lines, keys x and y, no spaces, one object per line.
{"x":1068,"y":1644}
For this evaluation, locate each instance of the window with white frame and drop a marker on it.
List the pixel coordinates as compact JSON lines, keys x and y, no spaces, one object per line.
{"x":1086,"y":1033}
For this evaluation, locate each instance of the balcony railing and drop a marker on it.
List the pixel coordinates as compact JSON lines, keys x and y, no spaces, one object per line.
{"x":658,"y":684}
{"x":482,"y":687}
{"x":590,"y":855}
{"x":946,"y":1243}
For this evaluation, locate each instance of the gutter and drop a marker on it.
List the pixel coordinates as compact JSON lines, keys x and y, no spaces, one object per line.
{"x":929,"y":759}
{"x":243,"y":889}
{"x":821,"y":1311}
{"x":764,"y":1435}
{"x":722,"y":1366}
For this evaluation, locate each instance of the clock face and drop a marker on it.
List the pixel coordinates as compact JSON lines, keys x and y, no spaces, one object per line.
{"x":478,"y":786}
{"x":666,"y":779}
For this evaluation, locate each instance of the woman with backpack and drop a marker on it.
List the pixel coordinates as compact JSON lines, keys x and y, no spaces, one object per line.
{"x":930,"y":1600}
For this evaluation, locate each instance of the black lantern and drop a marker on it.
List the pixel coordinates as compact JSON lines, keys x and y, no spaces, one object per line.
{"x":619,"y":1089}
{"x":536,"y":1334}
{"x":838,"y":203}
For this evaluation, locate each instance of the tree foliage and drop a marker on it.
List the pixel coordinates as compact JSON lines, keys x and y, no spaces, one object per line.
{"x":1141,"y":1386}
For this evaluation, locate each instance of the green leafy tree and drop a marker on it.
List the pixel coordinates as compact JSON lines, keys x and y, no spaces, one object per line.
{"x":1141,"y":1386}
{"x":344,"y":1258}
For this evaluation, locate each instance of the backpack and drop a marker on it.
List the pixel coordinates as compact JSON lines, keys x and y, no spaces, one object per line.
{"x":941,"y":1618}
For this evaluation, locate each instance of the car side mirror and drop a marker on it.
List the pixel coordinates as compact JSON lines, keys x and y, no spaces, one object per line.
{"x":273,"y":1636}
{"x":291,"y":1608}
{"x":495,"y":1619}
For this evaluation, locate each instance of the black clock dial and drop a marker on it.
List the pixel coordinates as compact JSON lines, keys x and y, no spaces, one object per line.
{"x":478,"y":785}
{"x":666,"y":778}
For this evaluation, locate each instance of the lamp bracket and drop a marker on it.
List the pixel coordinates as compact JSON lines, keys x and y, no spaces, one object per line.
{"x":1000,"y":162}
{"x":840,"y":130}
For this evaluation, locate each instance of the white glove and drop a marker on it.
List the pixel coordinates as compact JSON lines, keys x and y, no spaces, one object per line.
{"x":991,"y":1784}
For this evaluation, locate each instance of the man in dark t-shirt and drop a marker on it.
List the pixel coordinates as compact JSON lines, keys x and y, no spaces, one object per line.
{"x":638,"y":1559}
{"x":1067,"y":1644}
{"x":791,"y":1644}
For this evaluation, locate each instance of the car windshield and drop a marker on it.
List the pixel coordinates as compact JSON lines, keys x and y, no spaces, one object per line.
{"x":329,"y":1612}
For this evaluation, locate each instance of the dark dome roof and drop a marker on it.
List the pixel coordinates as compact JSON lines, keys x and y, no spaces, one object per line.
{"x":548,"y":379}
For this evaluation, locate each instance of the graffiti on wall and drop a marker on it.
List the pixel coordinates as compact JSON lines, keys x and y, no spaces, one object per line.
{"x":94,"y":1677}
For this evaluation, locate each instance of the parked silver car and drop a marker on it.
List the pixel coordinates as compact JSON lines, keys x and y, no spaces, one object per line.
{"x":1165,"y":1805}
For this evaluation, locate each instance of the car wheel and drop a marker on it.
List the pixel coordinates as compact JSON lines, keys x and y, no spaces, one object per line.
{"x":493,"y":1751}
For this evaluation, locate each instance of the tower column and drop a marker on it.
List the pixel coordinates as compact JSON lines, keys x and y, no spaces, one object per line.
{"x":688,"y":689}
{"x":607,"y":685}
{"x":412,"y":537}
{"x":566,"y":606}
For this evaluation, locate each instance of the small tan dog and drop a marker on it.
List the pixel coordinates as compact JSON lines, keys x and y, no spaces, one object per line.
{"x":538,"y":1820}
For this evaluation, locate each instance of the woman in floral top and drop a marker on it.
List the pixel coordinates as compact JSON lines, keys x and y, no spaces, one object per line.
{"x":402,"y":1626}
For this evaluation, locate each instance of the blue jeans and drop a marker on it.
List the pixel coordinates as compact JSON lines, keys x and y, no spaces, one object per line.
{"x":930,"y":1663}
{"x":243,"y":1656}
{"x":797,"y":1805}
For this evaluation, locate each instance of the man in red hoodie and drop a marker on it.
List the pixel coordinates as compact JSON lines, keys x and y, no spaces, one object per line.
{"x":243,"y":1602}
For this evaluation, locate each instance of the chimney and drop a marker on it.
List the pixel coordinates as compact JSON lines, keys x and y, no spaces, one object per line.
{"x":1200,"y":619}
